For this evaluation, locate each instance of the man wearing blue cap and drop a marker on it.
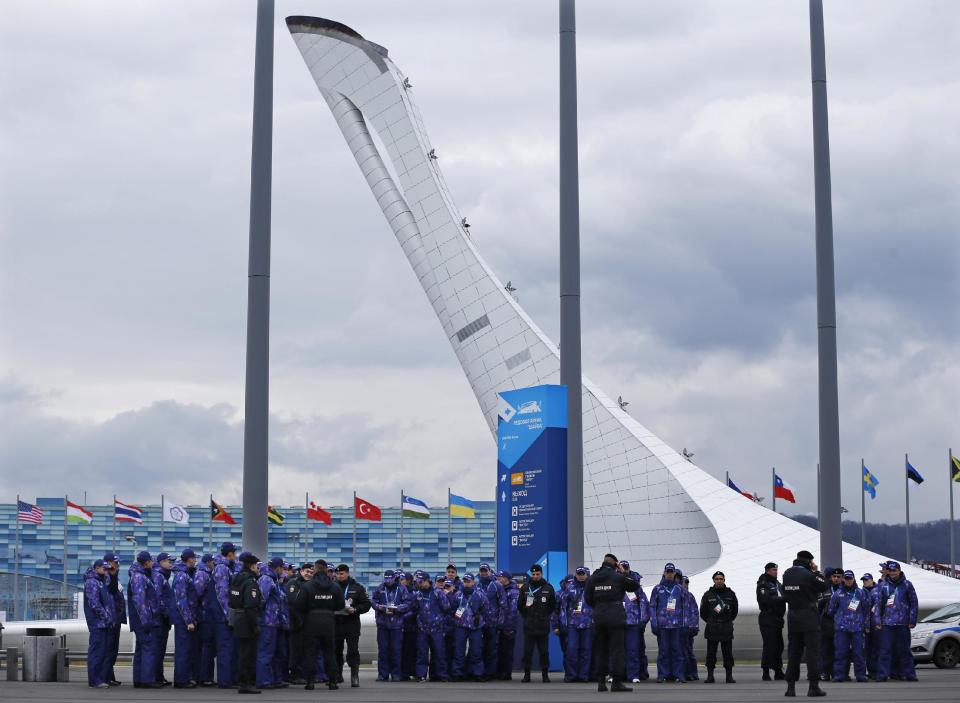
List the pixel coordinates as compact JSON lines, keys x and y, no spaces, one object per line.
{"x":271,"y":654}
{"x":162,"y":568}
{"x":637,"y":610}
{"x":870,"y":636}
{"x":210,"y":615}
{"x":507,"y":626}
{"x":144,"y":607}
{"x":390,"y":602}
{"x":99,"y":613}
{"x":896,"y":614}
{"x":666,"y":621}
{"x":430,"y":607}
{"x":496,"y":599}
{"x":185,"y":615}
{"x":223,"y":640}
{"x":470,"y":611}
{"x":112,"y":568}
{"x":578,"y":615}
{"x":850,"y":608}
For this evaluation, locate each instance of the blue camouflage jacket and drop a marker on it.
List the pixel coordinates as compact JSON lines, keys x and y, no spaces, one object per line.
{"x":143,"y":602}
{"x":223,"y":571}
{"x":430,"y":608}
{"x":393,"y":595}
{"x":509,"y":615}
{"x":636,"y":605}
{"x":577,"y":612}
{"x":896,"y":603}
{"x":273,"y":597}
{"x":210,"y":609}
{"x":558,"y":619}
{"x":161,"y":582}
{"x":472,"y":607}
{"x":667,"y":606}
{"x":98,"y":605}
{"x":872,"y":594}
{"x":497,"y":602}
{"x":850,"y":608}
{"x":186,"y":609}
{"x":119,"y":602}
{"x":691,"y":612}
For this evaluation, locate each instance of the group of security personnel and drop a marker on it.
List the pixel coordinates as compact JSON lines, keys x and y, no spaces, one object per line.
{"x":832,"y":623}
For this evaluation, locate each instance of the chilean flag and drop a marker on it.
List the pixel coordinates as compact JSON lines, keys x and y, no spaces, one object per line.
{"x":782,"y":489}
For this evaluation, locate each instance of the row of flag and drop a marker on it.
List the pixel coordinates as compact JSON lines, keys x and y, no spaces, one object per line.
{"x":781,"y":489}
{"x":870,"y":481}
{"x":362,"y":510}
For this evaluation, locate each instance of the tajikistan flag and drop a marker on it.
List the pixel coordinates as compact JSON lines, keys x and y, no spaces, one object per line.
{"x":78,"y":515}
{"x":415,"y":508}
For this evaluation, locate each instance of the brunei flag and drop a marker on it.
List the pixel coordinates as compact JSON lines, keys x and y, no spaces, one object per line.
{"x":274,"y":515}
{"x":218,"y":514}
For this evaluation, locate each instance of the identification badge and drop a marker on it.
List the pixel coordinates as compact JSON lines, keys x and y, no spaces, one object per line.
{"x":892,"y":599}
{"x":349,"y":602}
{"x":579,"y":608}
{"x":717,"y":608}
{"x":459,"y":613}
{"x":529,"y":600}
{"x":671,"y":605}
{"x":631,"y":595}
{"x":853,"y":605}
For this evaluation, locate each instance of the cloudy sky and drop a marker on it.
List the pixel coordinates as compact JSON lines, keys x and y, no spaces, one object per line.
{"x":124,"y":170}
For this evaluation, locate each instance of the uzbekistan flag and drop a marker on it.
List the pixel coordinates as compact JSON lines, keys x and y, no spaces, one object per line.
{"x":462,"y":507}
{"x":127,"y":513}
{"x":783,"y":490}
{"x":415,"y":508}
{"x":731,"y":484}
{"x":315,"y":512}
{"x":78,"y":515}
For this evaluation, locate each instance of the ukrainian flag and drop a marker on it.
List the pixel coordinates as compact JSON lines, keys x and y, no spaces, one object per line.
{"x":274,"y":515}
{"x":461,"y":507}
{"x":870,"y":483}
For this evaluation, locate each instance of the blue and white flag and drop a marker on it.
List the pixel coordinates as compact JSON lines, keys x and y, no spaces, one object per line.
{"x":415,"y":508}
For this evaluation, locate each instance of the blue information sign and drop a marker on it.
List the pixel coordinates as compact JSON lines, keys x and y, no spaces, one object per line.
{"x":532,"y":480}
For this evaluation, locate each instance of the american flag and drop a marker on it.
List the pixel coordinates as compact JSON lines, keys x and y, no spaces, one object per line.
{"x":29,"y":513}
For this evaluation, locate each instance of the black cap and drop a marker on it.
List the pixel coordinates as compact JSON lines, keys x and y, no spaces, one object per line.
{"x":343,"y":567}
{"x":804,"y":554}
{"x":770,"y":565}
{"x":536,"y":567}
{"x":248,"y":558}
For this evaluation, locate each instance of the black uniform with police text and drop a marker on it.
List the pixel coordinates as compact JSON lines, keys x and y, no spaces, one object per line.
{"x":319,"y":599}
{"x":536,"y":604}
{"x":802,"y":589}
{"x":347,"y":628}
{"x":246,"y":609}
{"x":604,"y":592}
{"x":773,"y":607}
{"x":827,"y":629}
{"x":295,"y":635}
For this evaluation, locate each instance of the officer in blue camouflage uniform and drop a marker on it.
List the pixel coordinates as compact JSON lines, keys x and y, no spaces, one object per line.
{"x":185,"y":616}
{"x":637,"y":609}
{"x":144,"y":606}
{"x":162,"y":570}
{"x":408,"y":643}
{"x":430,"y":607}
{"x":112,"y":565}
{"x":666,"y":621}
{"x":470,"y":612}
{"x":496,"y":598}
{"x":507,"y":627}
{"x":871,"y":637}
{"x":834,"y":575}
{"x":895,"y":615}
{"x":271,"y":655}
{"x":210,"y":613}
{"x":98,"y":610}
{"x":850,"y":608}
{"x":578,"y":615}
{"x":390,"y":601}
{"x":691,"y":622}
{"x":224,"y":568}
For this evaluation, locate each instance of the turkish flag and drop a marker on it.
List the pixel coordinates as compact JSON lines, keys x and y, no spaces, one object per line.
{"x":314,"y":512}
{"x":363,"y":510}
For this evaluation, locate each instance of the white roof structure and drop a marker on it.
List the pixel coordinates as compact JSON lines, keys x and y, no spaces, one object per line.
{"x":642,"y":500}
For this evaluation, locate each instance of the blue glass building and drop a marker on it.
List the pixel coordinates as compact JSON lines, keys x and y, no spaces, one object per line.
{"x":378,"y":543}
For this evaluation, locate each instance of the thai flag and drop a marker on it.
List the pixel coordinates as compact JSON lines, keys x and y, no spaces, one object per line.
{"x":127,"y":513}
{"x":782,"y":489}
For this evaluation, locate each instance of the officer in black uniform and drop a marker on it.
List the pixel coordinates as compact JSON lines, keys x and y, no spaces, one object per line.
{"x":318,"y":600}
{"x":803,"y":585}
{"x":604,"y":592}
{"x":773,"y":607}
{"x":535,"y":603}
{"x":347,"y":630}
{"x":292,"y":588}
{"x":246,"y":610}
{"x":835,"y":575}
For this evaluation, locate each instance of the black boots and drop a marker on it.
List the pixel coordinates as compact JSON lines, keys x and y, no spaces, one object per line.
{"x":791,"y":689}
{"x":332,"y":685}
{"x":545,"y":675}
{"x":354,"y":677}
{"x":617,"y":685}
{"x":710,"y":678}
{"x":778,"y":675}
{"x":814,"y":691}
{"x":766,"y":675}
{"x":602,"y":685}
{"x":248,"y":689}
{"x":526,"y":676}
{"x":309,"y":686}
{"x":730,"y":678}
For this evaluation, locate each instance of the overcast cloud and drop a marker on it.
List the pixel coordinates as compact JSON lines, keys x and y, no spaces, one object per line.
{"x":124,"y":169}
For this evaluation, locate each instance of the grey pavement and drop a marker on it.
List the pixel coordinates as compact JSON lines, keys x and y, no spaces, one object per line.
{"x":935,"y":685}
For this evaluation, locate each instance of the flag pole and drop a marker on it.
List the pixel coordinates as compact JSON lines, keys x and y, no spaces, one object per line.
{"x":306,"y":523}
{"x":210,"y":524}
{"x":66,"y":499}
{"x":953,"y":546}
{"x":863,"y":504}
{"x":355,"y":531}
{"x":449,"y":530}
{"x":906,"y":480}
{"x":114,"y":548}
{"x":401,"y":528}
{"x":773,"y":487}
{"x":818,"y":496}
{"x":162,"y":515}
{"x":16,"y":562}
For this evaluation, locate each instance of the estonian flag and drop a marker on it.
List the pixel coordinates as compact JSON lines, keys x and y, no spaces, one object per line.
{"x":913,"y":474}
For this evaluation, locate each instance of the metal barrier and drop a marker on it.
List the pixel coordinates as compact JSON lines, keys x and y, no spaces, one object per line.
{"x":40,"y":647}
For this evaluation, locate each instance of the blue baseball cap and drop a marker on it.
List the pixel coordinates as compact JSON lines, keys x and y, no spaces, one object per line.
{"x":625,"y":564}
{"x":505,"y":574}
{"x":187,"y":554}
{"x":447,"y":582}
{"x":893,"y":565}
{"x":484,"y":567}
{"x":111,"y":556}
{"x":226,"y":548}
{"x":98,"y":563}
{"x":389,"y":574}
{"x":849,"y":574}
{"x":162,"y":555}
{"x":679,"y":573}
{"x":206,"y":558}
{"x":583,"y":570}
{"x":867,"y":577}
{"x":468,"y":577}
{"x":669,"y":567}
{"x":144,"y":556}
{"x":276,"y":562}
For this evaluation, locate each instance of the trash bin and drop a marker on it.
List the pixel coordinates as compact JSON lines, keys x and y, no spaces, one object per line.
{"x":40,"y":647}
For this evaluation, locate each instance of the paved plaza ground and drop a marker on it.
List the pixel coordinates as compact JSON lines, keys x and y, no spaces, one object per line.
{"x":935,"y":685}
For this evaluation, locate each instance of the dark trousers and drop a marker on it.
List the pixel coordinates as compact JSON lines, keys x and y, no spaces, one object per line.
{"x":803,"y":645}
{"x":726,"y":646}
{"x":319,"y":642}
{"x":352,"y":641}
{"x":608,"y":651}
{"x":144,"y":656}
{"x":431,"y":655}
{"x":577,"y":658}
{"x":408,"y":654}
{"x":670,"y":659}
{"x":772,"y":656}
{"x":632,"y":644}
{"x":113,"y":651}
{"x":538,"y":641}
{"x":98,"y":660}
{"x":467,"y":660}
{"x":847,"y":647}
{"x":184,"y":653}
{"x":247,"y":661}
{"x":266,"y":652}
{"x":223,"y":644}
{"x":491,"y":640}
{"x":689,"y":658}
{"x":505,"y":649}
{"x":208,"y":650}
{"x":826,"y":649}
{"x":295,"y":658}
{"x":894,"y":657}
{"x":871,"y":647}
{"x":389,"y":644}
{"x":162,"y":635}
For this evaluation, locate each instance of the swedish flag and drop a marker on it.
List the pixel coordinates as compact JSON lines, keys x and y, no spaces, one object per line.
{"x":870,"y":483}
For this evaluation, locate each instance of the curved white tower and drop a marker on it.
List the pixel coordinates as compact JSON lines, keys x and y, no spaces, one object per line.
{"x":642,"y":500}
